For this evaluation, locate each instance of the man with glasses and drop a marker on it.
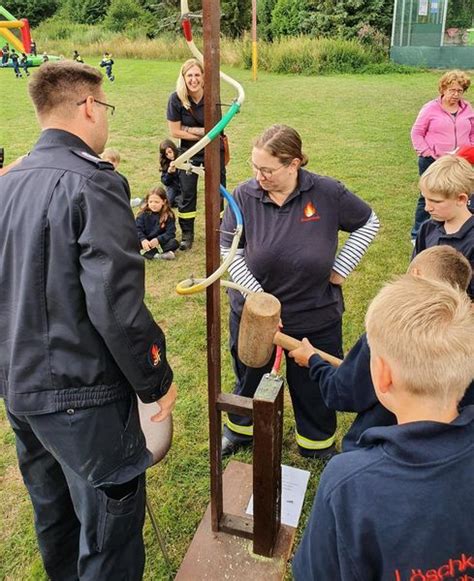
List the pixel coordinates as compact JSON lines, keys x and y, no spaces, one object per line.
{"x":78,"y":343}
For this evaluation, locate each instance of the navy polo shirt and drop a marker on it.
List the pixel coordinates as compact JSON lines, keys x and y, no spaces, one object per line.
{"x":291,"y":249}
{"x":176,"y":111}
{"x":432,"y":233}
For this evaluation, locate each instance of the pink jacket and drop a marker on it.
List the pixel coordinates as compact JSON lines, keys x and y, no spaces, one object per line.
{"x":436,"y":132}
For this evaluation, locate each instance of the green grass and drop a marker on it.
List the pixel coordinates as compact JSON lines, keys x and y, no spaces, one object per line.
{"x":355,"y":128}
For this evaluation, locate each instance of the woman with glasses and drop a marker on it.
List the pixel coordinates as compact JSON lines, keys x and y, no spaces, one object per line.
{"x":289,"y":248}
{"x":185,"y":115}
{"x":442,"y":125}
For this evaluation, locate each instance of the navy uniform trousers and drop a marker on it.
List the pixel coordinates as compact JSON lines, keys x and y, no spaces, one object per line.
{"x":315,"y":423}
{"x":85,"y":472}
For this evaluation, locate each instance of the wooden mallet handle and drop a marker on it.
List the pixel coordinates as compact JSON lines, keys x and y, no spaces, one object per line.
{"x":289,"y":343}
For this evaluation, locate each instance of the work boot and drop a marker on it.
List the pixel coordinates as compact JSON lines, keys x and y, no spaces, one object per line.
{"x":230,"y":447}
{"x":187,"y":231}
{"x":324,"y":454}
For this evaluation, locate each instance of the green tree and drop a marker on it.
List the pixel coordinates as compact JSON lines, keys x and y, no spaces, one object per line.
{"x":264,"y":18}
{"x":86,"y":11}
{"x":34,"y":10}
{"x":460,"y":14}
{"x":288,"y":17}
{"x":236,"y":17}
{"x":126,"y":14}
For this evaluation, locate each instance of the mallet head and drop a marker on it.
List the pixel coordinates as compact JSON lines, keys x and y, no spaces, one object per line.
{"x":258,"y":325}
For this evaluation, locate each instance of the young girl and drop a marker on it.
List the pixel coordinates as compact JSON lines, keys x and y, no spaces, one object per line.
{"x":169,"y":175}
{"x":156,"y":226}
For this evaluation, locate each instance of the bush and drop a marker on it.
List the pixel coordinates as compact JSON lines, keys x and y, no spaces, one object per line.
{"x":127,"y":15}
{"x":311,"y":56}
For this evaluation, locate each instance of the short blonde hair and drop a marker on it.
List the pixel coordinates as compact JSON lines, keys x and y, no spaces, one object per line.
{"x":112,"y":155}
{"x":443,"y":263}
{"x":181,"y":88}
{"x":451,"y":77}
{"x":424,"y":329}
{"x":449,"y":176}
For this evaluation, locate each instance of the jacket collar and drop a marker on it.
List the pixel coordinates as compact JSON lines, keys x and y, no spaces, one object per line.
{"x":421,"y":442}
{"x":461,"y":233}
{"x":60,"y":137}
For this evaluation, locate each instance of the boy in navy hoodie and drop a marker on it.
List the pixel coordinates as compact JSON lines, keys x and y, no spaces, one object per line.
{"x":400,"y":507}
{"x":349,"y":387}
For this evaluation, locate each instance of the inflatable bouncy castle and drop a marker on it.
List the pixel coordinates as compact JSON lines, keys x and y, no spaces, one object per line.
{"x":16,"y":34}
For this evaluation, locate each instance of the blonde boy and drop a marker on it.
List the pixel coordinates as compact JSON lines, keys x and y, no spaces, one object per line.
{"x":446,"y":186}
{"x":401,"y":506}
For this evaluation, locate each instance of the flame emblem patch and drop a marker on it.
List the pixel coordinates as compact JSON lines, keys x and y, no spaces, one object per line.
{"x":310,"y":213}
{"x":154,"y":355}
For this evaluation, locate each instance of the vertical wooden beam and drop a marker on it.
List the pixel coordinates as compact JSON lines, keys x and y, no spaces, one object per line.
{"x":267,"y":430}
{"x":211,"y":30}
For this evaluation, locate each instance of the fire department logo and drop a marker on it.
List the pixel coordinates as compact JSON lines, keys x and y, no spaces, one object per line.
{"x":310,"y":214}
{"x":154,"y":356}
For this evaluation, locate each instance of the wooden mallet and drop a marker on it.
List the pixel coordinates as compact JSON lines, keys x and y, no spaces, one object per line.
{"x":259,"y":333}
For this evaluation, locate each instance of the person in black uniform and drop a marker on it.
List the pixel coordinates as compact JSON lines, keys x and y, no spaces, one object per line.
{"x":16,"y":64}
{"x":33,"y":49}
{"x":289,"y":248}
{"x":185,"y":114}
{"x":78,"y":343}
{"x":24,"y":63}
{"x":108,"y":63}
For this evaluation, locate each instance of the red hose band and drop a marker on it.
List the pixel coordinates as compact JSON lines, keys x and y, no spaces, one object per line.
{"x":188,"y":33}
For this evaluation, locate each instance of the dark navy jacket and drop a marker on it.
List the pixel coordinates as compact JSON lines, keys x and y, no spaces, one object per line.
{"x":349,"y":388}
{"x":399,"y":509}
{"x":148,"y":227}
{"x":171,"y":180}
{"x":432,"y":233}
{"x":74,"y":331}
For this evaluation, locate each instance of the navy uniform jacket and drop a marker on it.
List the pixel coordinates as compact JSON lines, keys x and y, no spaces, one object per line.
{"x":148,"y":227}
{"x":399,"y":509}
{"x":432,"y":233}
{"x":349,"y":388}
{"x":74,"y":331}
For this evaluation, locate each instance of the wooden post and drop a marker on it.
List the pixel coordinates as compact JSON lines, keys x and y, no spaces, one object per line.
{"x":211,"y":29}
{"x":267,"y":430}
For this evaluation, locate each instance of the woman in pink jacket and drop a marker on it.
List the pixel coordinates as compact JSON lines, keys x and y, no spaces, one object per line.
{"x":442,"y":126}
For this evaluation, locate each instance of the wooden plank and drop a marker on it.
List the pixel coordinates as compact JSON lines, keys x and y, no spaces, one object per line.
{"x":267,"y":430}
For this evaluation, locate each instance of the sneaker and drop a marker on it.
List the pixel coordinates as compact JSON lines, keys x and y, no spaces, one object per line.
{"x":134,"y":202}
{"x":170,"y":255}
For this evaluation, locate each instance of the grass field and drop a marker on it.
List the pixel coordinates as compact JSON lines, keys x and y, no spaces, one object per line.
{"x":355,"y":128}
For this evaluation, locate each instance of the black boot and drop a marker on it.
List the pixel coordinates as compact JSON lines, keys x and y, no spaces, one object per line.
{"x":187,"y":231}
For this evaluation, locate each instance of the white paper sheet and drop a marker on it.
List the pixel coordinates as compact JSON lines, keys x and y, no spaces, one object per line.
{"x":294,"y":483}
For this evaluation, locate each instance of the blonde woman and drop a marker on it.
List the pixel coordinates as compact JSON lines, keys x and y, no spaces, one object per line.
{"x":185,"y":115}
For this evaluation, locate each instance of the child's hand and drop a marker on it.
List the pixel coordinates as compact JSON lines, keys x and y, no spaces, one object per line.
{"x":146,"y":245}
{"x":303,"y":353}
{"x":171,"y":168}
{"x":154,"y":243}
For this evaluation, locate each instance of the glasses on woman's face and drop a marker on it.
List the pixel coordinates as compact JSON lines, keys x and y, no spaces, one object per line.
{"x":265,"y":172}
{"x":455,"y":91}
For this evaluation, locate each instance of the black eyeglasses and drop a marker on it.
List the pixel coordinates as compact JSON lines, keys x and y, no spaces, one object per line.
{"x":111,"y":107}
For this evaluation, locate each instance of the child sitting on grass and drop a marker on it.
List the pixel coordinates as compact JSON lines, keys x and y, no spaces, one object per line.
{"x":157,"y":227}
{"x":446,"y":186}
{"x":398,"y":507}
{"x":349,"y":387}
{"x":169,"y":174}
